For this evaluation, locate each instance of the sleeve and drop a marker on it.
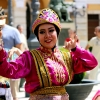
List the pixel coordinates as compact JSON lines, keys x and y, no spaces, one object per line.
{"x":19,"y":68}
{"x":83,"y":60}
{"x":3,"y":56}
{"x":17,"y":37}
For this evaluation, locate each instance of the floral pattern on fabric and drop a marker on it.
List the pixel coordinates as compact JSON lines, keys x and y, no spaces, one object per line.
{"x":47,"y":15}
{"x":50,"y":97}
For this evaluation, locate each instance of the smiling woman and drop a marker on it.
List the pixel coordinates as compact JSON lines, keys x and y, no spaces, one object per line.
{"x":47,"y":35}
{"x":47,"y":69}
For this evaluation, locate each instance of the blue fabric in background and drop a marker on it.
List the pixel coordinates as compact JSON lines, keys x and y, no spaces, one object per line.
{"x":14,"y":55}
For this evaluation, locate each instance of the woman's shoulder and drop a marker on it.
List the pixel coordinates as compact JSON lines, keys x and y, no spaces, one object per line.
{"x":27,"y":52}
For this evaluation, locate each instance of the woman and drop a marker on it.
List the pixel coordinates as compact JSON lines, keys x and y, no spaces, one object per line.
{"x":47,"y":69}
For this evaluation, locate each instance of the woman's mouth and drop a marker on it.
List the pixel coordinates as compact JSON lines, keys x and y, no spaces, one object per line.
{"x":48,"y":41}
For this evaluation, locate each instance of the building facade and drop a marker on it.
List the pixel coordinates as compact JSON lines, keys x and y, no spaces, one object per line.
{"x":22,"y":14}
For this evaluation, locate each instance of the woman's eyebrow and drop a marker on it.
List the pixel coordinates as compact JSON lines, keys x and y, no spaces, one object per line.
{"x":50,"y":27}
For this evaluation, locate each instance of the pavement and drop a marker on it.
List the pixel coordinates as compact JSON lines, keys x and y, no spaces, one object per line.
{"x":21,"y":94}
{"x":94,"y":90}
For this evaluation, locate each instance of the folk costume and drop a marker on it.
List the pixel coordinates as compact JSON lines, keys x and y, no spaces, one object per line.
{"x":47,"y":71}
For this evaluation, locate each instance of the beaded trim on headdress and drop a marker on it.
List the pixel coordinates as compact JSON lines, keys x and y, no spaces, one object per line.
{"x":46,"y":15}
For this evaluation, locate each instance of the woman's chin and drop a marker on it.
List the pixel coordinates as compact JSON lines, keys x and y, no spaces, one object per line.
{"x":49,"y":47}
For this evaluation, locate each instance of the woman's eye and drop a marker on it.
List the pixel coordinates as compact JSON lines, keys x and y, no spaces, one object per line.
{"x":42,"y":32}
{"x":51,"y":30}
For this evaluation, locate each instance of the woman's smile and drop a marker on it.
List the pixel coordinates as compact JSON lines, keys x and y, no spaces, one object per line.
{"x":47,"y":35}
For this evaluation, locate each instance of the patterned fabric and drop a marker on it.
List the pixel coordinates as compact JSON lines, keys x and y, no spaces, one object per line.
{"x":43,"y":71}
{"x":60,"y":70}
{"x":50,"y":97}
{"x":82,"y":61}
{"x":58,"y":90}
{"x":46,"y":15}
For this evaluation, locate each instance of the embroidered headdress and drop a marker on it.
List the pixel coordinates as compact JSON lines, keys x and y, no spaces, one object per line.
{"x":46,"y":16}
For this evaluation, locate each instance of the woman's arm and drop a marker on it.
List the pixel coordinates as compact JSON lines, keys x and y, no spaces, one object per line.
{"x":83,"y":60}
{"x":18,"y":68}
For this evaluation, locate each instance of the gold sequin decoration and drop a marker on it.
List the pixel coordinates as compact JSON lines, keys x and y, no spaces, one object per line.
{"x":68,"y":62}
{"x":42,"y":70}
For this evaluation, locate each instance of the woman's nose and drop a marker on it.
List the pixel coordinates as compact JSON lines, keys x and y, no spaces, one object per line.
{"x":47,"y":34}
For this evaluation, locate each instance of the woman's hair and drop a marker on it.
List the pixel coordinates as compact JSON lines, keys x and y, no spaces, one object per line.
{"x":36,"y":31}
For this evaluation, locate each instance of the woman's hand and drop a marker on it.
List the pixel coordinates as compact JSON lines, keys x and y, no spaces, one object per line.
{"x":12,"y":51}
{"x":71,"y":44}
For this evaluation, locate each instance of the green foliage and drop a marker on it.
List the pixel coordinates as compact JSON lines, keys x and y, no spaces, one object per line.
{"x":77,"y":78}
{"x":90,"y":49}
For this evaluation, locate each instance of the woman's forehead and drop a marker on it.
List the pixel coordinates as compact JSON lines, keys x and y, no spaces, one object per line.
{"x":46,"y":26}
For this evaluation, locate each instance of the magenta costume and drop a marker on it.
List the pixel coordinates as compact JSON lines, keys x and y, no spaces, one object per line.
{"x":47,"y":71}
{"x":24,"y":66}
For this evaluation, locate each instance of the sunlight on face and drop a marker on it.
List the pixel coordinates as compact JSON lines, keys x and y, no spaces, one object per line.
{"x":47,"y":35}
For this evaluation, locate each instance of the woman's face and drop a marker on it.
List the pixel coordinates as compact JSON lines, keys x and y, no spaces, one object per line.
{"x":47,"y":35}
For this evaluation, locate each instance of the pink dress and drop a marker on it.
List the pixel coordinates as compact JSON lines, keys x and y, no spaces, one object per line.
{"x":49,"y":71}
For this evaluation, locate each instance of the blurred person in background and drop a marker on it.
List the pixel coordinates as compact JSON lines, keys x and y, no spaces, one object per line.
{"x":25,"y":47}
{"x":11,"y":38}
{"x":23,"y":37}
{"x":71,"y":36}
{"x":47,"y":69}
{"x":94,"y":42}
